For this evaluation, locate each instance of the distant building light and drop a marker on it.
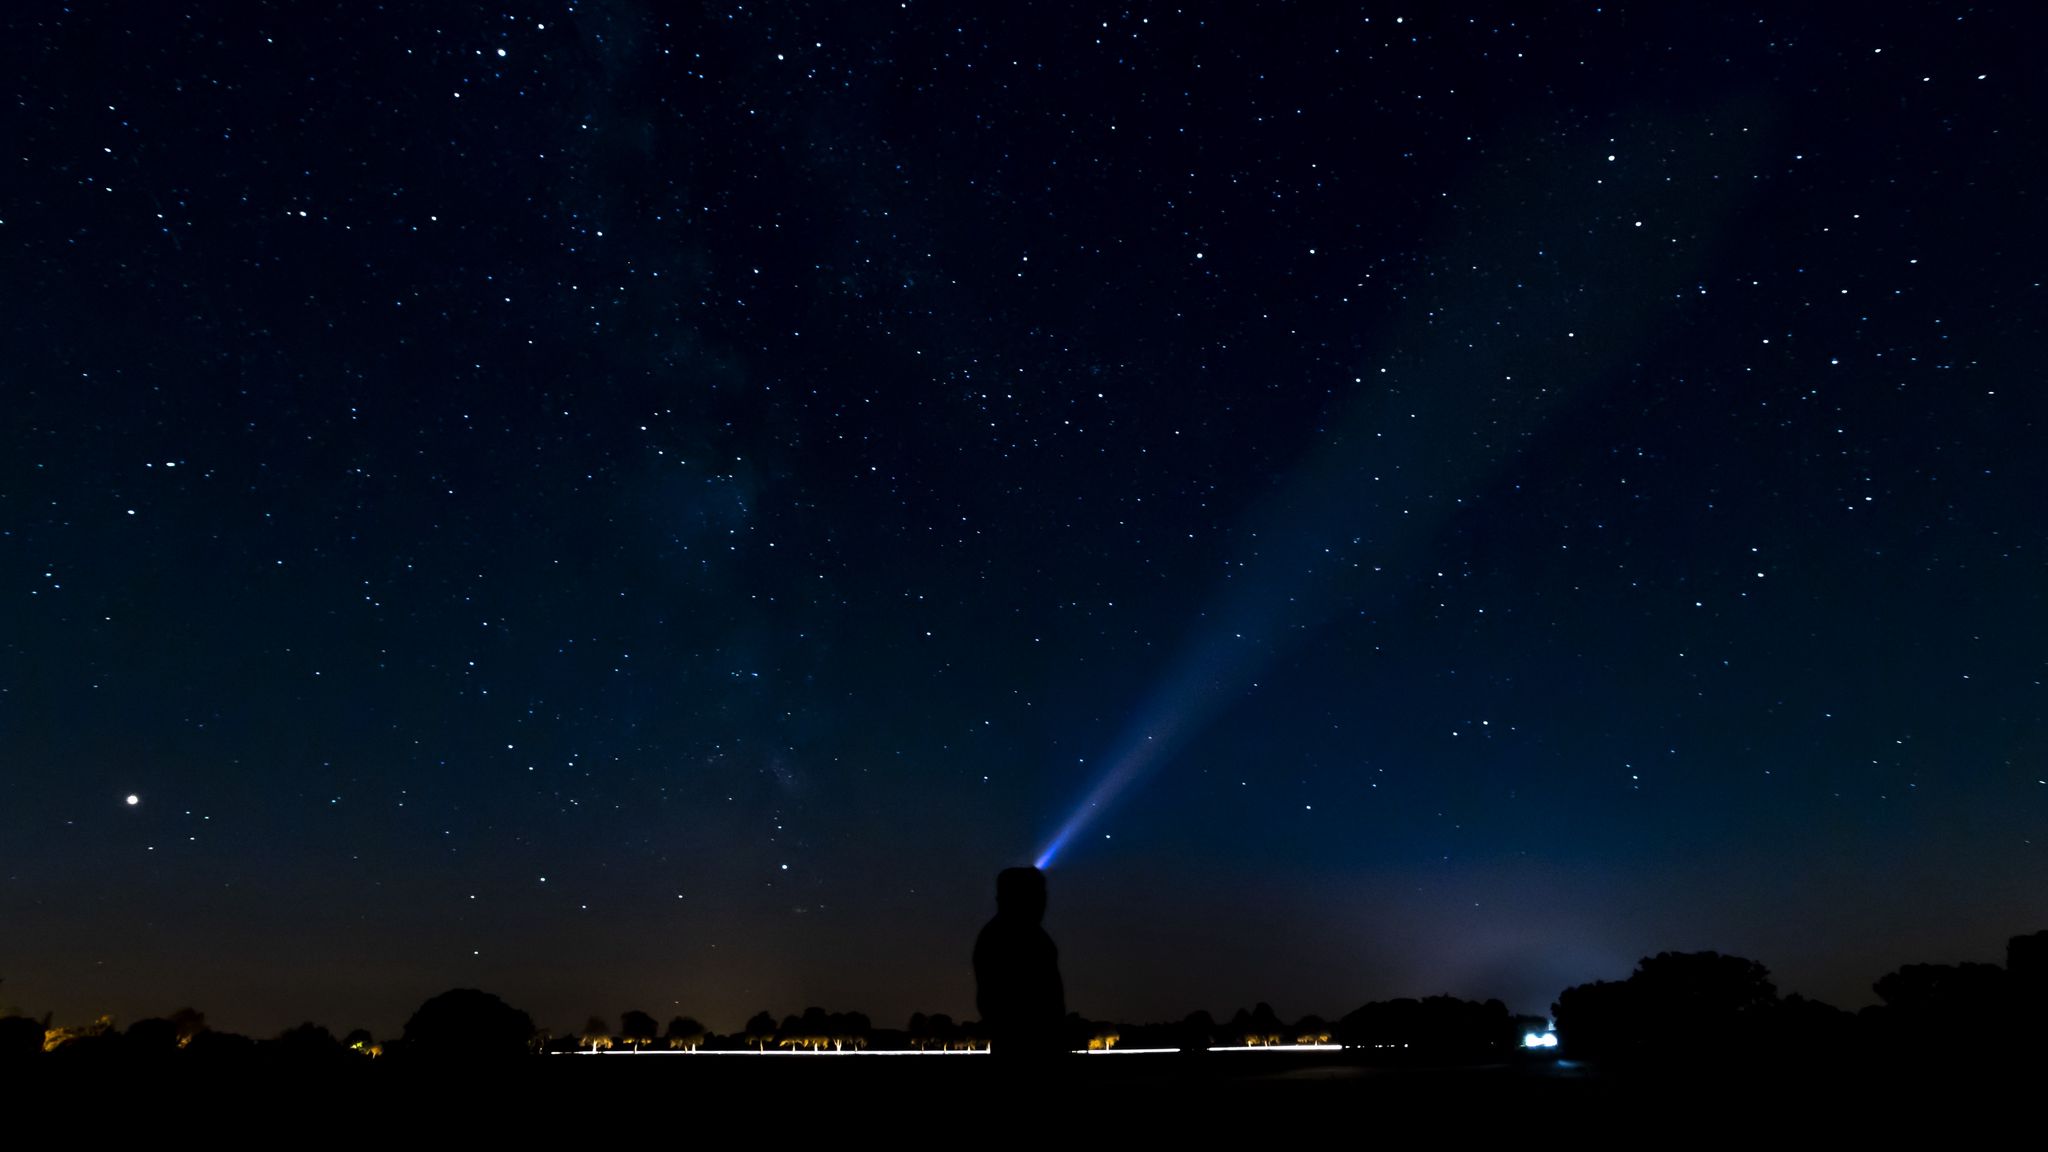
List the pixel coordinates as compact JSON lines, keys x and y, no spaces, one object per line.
{"x":795,"y":1053}
{"x":1271,"y":1048}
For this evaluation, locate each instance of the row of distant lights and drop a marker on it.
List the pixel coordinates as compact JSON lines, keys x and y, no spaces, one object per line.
{"x":936,"y":1052}
{"x":1533,"y":1040}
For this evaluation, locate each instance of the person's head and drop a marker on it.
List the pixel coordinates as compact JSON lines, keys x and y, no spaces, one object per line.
{"x":1020,"y":892}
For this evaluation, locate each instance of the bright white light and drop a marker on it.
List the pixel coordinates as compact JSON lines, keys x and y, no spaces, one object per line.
{"x":1276,"y":1047}
{"x":133,"y":799}
{"x":1540,"y":1040}
{"x":1122,"y":1051}
{"x":795,"y":1053}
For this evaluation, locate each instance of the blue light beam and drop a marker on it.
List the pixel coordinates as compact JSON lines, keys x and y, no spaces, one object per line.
{"x":1176,"y":706}
{"x":1428,"y":430}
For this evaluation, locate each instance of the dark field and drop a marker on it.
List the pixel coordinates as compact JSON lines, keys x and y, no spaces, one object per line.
{"x":1318,"y":1097}
{"x":1126,"y":1100}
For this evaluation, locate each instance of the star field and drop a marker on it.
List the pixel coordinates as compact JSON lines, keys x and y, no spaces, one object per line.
{"x":625,"y":505}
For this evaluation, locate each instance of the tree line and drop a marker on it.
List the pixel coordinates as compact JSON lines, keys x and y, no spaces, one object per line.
{"x":1675,"y":1008}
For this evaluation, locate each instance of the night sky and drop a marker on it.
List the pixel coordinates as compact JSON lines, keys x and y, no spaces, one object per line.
{"x":636,"y":505}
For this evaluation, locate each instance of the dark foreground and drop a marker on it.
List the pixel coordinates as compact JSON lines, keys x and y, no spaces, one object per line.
{"x":1199,"y":1100}
{"x":1184,"y":1097}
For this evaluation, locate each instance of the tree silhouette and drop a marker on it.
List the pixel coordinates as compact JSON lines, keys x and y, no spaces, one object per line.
{"x":2026,"y":977}
{"x":359,"y":1040}
{"x":214,"y":1047}
{"x":761,"y":1030}
{"x":684,"y":1032}
{"x":811,"y":1031}
{"x":1311,"y":1029}
{"x":154,"y":1036}
{"x":1964,"y":1009}
{"x":1709,"y":985}
{"x":467,"y":1024}
{"x":638,"y":1028}
{"x":1433,"y":1029}
{"x":848,"y":1030}
{"x":1943,"y":990}
{"x":1694,"y":1012}
{"x":190,"y":1022}
{"x":1804,"y":1031}
{"x":1690,"y":1006}
{"x":307,"y":1043}
{"x":1260,"y":1026}
{"x":20,"y":1038}
{"x":90,"y":1042}
{"x":2026,"y":960}
{"x":1593,"y":1020}
{"x":934,"y":1031}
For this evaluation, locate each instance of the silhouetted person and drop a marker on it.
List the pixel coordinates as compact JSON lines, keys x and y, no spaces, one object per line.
{"x":1017,"y":972}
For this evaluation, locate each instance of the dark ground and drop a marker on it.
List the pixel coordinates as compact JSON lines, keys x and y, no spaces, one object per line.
{"x":1319,"y":1099}
{"x":1141,"y":1100}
